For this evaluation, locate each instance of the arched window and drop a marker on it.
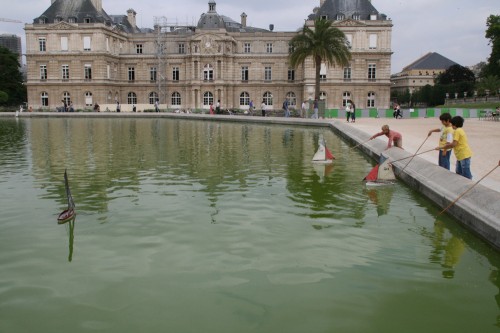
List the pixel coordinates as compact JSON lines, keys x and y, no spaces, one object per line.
{"x":44,"y":98}
{"x":244,"y":98}
{"x":345,"y":97}
{"x":370,"y":102}
{"x":176,"y":98}
{"x":208,"y":73}
{"x":292,"y":99}
{"x":208,"y":98}
{"x":88,"y":98}
{"x":131,"y":98}
{"x":153,"y":96}
{"x":66,"y":98}
{"x":268,"y":98}
{"x":322,"y":95}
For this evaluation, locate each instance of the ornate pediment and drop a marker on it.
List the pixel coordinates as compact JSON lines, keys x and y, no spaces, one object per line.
{"x":350,"y":23}
{"x":63,"y":26}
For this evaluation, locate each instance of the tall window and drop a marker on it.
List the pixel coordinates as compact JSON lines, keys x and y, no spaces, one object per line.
{"x":322,"y":95}
{"x":44,"y":99}
{"x":153,"y":96}
{"x":175,"y":73}
{"x":131,"y":98}
{"x":181,"y":48}
{"x":88,"y":72}
{"x":268,"y":98}
{"x":244,"y":98}
{"x":372,"y":71}
{"x":86,"y":43}
{"x":322,"y":72}
{"x":373,"y":41}
{"x":345,"y":97}
{"x":349,"y":40}
{"x":88,"y":98}
{"x":43,"y":72}
{"x":291,"y":48}
{"x":269,"y":47}
{"x":208,"y":98}
{"x":370,"y":102}
{"x":64,"y":43}
{"x":246,"y":48}
{"x":208,"y":73}
{"x":67,"y":98}
{"x":131,"y":74}
{"x":152,"y":74}
{"x":292,"y":99}
{"x":268,"y":74}
{"x":176,"y":98}
{"x":291,"y":74}
{"x":42,"y":44}
{"x":244,"y":73}
{"x":138,"y":48}
{"x":65,"y":72}
{"x":347,"y":73}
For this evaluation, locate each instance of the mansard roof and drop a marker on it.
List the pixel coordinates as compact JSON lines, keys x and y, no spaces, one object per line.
{"x":431,"y":60}
{"x":213,"y":20}
{"x":333,"y":9}
{"x":63,"y":10}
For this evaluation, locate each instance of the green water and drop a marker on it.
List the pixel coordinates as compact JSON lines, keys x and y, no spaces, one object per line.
{"x":186,"y":226}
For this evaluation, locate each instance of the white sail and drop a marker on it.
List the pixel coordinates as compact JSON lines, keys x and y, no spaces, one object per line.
{"x":385,"y":171}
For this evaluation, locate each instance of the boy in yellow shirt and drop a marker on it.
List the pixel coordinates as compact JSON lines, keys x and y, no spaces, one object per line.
{"x":446,"y":136}
{"x":460,"y":147}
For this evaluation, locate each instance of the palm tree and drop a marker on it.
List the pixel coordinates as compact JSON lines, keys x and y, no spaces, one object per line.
{"x":323,"y":43}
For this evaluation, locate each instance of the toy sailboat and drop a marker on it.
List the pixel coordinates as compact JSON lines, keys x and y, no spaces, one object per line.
{"x":381,"y":174}
{"x":323,"y":155}
{"x":69,"y":213}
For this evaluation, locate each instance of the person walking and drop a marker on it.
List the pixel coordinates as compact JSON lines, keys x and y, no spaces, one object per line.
{"x":263,"y":108}
{"x":348,"y":110}
{"x":285,"y":107}
{"x":445,"y":137}
{"x":315,"y":108}
{"x":394,"y":137}
{"x":353,"y":111}
{"x":118,"y":107}
{"x":303,"y":110}
{"x":157,"y":105}
{"x":461,"y":148}
{"x":217,"y":107}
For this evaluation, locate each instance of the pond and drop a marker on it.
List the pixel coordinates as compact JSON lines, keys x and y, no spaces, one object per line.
{"x":192,"y":226}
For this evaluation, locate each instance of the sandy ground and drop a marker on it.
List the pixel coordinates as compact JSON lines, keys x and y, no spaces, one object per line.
{"x":483,"y":136}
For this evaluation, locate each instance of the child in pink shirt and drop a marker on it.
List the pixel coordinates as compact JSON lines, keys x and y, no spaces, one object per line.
{"x":393,"y":136}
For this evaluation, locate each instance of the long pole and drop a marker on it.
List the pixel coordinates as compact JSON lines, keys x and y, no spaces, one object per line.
{"x":413,"y":155}
{"x":470,"y":188}
{"x":404,"y":158}
{"x":359,"y":144}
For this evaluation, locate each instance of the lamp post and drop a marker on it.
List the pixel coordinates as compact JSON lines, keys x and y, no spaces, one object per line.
{"x":487,"y":91}
{"x":465,"y":96}
{"x":475,"y":95}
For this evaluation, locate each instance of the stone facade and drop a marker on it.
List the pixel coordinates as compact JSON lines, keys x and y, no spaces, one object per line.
{"x":103,"y":60}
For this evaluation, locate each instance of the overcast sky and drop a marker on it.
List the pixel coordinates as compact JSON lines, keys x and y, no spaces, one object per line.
{"x":452,"y":28}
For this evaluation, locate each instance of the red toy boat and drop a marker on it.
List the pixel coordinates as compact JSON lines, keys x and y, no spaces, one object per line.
{"x":69,"y":213}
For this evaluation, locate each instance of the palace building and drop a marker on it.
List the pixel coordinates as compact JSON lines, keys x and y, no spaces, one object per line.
{"x":77,"y":52}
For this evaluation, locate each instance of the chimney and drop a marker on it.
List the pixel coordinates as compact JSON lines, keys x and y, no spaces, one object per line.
{"x":97,"y":4}
{"x":243,"y":20}
{"x":131,"y":17}
{"x":321,"y":2}
{"x":271,"y":27}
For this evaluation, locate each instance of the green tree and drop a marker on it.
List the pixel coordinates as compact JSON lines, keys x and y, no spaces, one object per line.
{"x":490,"y":82}
{"x":3,"y":97}
{"x":11,"y":80}
{"x":323,"y":43}
{"x":493,"y":34}
{"x":455,"y":74}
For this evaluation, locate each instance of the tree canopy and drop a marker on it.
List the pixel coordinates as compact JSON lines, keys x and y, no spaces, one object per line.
{"x":11,"y":80}
{"x":323,"y":43}
{"x":456,"y":74}
{"x":493,"y":34}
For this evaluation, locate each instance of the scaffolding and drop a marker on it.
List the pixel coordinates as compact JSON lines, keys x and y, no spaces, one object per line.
{"x":162,"y":27}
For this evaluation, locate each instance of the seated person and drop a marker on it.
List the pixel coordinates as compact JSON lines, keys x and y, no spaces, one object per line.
{"x":97,"y":108}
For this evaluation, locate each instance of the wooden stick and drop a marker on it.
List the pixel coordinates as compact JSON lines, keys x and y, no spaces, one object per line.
{"x":404,"y":158}
{"x":470,"y":188}
{"x":413,"y":155}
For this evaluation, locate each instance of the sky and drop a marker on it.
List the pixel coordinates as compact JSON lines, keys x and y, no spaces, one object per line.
{"x":453,"y":28}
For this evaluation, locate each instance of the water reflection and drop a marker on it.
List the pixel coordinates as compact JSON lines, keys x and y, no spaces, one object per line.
{"x":381,"y":197}
{"x":70,"y":229}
